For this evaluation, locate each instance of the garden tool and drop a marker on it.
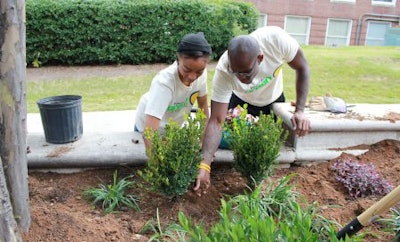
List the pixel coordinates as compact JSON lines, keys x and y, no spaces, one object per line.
{"x":362,"y":220}
{"x":328,"y":103}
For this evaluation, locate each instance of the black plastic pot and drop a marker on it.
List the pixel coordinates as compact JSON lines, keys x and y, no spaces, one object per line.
{"x":61,"y":118}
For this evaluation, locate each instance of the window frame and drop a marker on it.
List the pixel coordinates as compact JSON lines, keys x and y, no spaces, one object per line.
{"x":389,"y":24}
{"x":307,"y":34}
{"x":344,"y":1}
{"x":348,"y":35}
{"x":262,"y":20}
{"x":380,"y":3}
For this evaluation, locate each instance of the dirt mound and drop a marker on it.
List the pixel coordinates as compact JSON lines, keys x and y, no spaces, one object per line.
{"x":60,"y":213}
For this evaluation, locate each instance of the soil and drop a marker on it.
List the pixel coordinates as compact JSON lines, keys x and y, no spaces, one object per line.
{"x":59,"y":212}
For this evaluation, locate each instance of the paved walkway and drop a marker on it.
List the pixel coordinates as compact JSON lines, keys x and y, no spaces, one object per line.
{"x":108,"y":138}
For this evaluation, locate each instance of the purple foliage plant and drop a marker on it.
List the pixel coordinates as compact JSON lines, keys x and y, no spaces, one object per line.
{"x":361,"y":180}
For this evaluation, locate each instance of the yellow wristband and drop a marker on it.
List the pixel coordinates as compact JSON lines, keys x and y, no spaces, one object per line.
{"x":205,"y":166}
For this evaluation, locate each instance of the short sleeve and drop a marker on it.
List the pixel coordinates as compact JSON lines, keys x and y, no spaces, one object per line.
{"x":160,"y":97}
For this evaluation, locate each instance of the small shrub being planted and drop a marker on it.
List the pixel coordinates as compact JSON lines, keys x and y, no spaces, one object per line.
{"x":255,"y":142}
{"x":360,"y":180}
{"x":174,"y":156}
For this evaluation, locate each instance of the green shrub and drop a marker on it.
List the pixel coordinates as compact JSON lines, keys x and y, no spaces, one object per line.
{"x":174,"y":156}
{"x":78,"y":32}
{"x":255,"y":145}
{"x":248,"y":218}
{"x":112,"y":196}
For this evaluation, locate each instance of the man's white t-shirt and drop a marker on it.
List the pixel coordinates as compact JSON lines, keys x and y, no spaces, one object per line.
{"x":278,"y":48}
{"x":168,"y":98}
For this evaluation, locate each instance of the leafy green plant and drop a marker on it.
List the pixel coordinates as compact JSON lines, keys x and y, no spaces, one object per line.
{"x":112,"y":196}
{"x":393,"y":222}
{"x":128,"y":32}
{"x":171,"y":232}
{"x":255,"y":143}
{"x":36,"y":62}
{"x":174,"y":156}
{"x":249,"y":218}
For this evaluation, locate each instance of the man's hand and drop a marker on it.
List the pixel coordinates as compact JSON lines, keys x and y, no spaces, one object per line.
{"x":202,"y":177}
{"x":301,"y":124}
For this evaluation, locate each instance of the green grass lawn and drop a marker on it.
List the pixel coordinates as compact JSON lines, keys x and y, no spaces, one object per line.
{"x":357,"y":74}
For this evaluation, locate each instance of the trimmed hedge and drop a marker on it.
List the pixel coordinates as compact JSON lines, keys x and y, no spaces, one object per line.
{"x":75,"y":32}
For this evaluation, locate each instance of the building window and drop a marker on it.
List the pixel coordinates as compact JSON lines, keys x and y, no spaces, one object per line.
{"x":262,"y":20}
{"x":338,"y":32}
{"x":376,"y":33}
{"x":384,"y":2}
{"x":299,"y":28}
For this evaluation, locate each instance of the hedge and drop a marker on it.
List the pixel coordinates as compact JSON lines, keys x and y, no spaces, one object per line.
{"x":77,"y":32}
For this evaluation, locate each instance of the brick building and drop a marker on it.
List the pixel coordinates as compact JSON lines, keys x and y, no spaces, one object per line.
{"x":334,"y":22}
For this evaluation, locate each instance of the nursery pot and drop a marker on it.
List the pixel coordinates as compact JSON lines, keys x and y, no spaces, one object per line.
{"x":61,"y":118}
{"x":225,"y":140}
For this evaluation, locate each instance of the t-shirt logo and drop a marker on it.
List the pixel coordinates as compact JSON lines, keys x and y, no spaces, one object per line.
{"x":178,"y":106}
{"x":263,"y":83}
{"x":267,"y":80}
{"x":277,"y":71}
{"x":193,"y":97}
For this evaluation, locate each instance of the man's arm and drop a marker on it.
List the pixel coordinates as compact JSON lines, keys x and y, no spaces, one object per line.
{"x":300,"y":123}
{"x":213,"y":132}
{"x":211,"y":140}
{"x":300,"y":65}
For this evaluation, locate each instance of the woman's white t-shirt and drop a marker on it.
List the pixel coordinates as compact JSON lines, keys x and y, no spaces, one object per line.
{"x":168,"y":98}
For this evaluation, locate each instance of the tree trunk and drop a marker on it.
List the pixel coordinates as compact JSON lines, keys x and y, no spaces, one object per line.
{"x":13,"y":143}
{"x":8,"y":226}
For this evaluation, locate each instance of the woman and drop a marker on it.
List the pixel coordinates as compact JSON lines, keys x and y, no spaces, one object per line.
{"x":175,"y":89}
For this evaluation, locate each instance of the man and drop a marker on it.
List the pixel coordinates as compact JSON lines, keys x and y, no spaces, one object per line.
{"x":174,"y":90}
{"x":250,"y":71}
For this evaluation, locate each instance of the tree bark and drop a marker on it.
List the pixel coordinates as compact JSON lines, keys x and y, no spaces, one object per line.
{"x":13,"y":143}
{"x":8,"y":226}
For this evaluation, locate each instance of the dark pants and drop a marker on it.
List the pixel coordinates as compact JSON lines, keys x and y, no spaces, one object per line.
{"x":254,"y":110}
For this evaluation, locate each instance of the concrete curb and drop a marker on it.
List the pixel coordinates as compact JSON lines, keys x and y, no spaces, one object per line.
{"x":107,"y":139}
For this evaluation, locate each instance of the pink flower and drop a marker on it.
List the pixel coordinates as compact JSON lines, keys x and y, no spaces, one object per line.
{"x":249,"y":117}
{"x":236,"y":112}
